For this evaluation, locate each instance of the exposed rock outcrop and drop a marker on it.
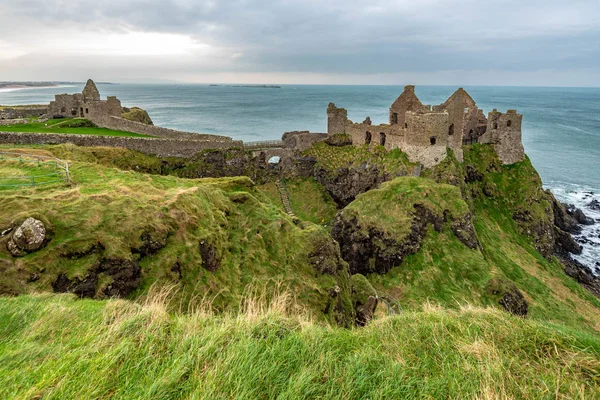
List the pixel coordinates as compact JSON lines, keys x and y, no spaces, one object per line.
{"x":151,"y":243}
{"x":347,"y":183}
{"x":508,"y":296}
{"x":210,"y":259}
{"x":125,"y":278}
{"x":136,"y":114}
{"x":364,"y":299}
{"x":371,"y":250}
{"x":27,"y":238}
{"x":582,"y":274}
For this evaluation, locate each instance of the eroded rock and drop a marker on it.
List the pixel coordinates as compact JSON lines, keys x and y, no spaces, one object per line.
{"x":210,"y":259}
{"x":347,"y":183}
{"x":509,"y":296}
{"x":364,"y":298}
{"x":27,"y":238}
{"x":368,"y":250}
{"x":125,"y":274}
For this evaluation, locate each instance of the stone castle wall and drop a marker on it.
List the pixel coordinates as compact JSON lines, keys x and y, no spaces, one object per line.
{"x":301,"y":140}
{"x":504,"y":133}
{"x":121,"y":124}
{"x":425,"y":132}
{"x":22,"y":112}
{"x":336,"y":119}
{"x":158,"y":147}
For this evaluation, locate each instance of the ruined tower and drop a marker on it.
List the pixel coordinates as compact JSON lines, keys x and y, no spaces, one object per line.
{"x":336,"y":119}
{"x":504,"y":133}
{"x":407,"y":101}
{"x":90,"y":92}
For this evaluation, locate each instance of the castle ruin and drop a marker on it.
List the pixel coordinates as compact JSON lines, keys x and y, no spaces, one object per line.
{"x":86,"y":104}
{"x":425,"y":132}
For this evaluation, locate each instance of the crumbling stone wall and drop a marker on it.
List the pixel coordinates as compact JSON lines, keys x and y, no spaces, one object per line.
{"x":425,"y":132}
{"x":7,"y":113}
{"x":407,"y":101}
{"x":504,"y":133}
{"x":158,"y":147}
{"x":301,"y":140}
{"x":121,"y":124}
{"x":336,"y":119}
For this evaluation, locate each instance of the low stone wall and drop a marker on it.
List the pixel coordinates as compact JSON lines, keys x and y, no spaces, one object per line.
{"x":12,"y":121}
{"x":158,"y":147}
{"x":122,"y":124}
{"x":22,"y":112}
{"x":302,"y":140}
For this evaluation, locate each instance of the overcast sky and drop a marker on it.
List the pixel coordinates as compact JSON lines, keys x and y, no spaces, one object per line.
{"x":454,"y":42}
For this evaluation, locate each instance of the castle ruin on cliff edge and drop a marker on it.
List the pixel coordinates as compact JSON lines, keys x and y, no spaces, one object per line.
{"x":425,"y":133}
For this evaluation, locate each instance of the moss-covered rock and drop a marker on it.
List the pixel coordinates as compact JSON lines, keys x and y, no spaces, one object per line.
{"x":364,"y":299}
{"x":136,"y":114}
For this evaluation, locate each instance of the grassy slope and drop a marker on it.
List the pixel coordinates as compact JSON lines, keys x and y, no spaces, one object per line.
{"x":56,"y":347}
{"x":62,"y":126}
{"x":310,"y":201}
{"x":331,"y":158}
{"x":257,"y":242}
{"x":447,"y":271}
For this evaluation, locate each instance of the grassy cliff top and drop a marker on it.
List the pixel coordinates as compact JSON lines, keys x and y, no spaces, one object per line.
{"x":390,"y":207}
{"x":331,"y":158}
{"x":213,"y":238}
{"x":56,"y":347}
{"x":76,"y":126}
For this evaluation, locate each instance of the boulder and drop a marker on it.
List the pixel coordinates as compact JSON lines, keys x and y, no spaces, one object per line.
{"x":563,"y":219}
{"x":594,"y":205}
{"x":578,"y":215}
{"x":27,"y":238}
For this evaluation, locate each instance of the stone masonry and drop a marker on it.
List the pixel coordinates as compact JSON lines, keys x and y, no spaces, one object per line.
{"x":107,"y":114}
{"x":425,"y":133}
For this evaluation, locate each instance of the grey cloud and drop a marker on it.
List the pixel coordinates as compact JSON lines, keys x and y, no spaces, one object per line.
{"x":352,"y":36}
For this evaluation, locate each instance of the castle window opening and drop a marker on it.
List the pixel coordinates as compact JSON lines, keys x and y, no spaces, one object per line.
{"x":394,"y":118}
{"x":382,"y":138}
{"x":406,"y":124}
{"x":368,"y":137}
{"x":495,"y":125}
{"x":451,"y":130}
{"x":81,"y":111}
{"x":432,"y":140}
{"x":63,"y":109}
{"x":274,"y":160}
{"x":74,"y":111}
{"x":87,"y":110}
{"x":508,"y":123}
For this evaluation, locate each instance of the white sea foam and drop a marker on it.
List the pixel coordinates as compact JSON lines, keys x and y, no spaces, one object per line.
{"x":589,"y":239}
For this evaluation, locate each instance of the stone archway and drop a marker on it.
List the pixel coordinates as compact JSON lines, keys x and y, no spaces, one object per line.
{"x":368,"y":138}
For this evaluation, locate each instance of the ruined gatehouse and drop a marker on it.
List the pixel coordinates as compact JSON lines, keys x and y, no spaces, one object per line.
{"x":425,"y":132}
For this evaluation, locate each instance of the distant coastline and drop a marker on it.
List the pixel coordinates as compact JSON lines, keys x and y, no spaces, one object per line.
{"x":10,"y":86}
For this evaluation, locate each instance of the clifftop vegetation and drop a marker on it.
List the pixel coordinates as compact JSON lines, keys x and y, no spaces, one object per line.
{"x":452,"y":273}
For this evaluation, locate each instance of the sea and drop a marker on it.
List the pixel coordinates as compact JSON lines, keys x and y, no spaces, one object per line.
{"x":561,"y":126}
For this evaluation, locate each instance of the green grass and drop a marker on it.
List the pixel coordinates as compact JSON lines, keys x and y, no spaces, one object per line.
{"x":445,"y":270}
{"x":310,"y":201}
{"x":390,"y":208}
{"x":62,"y":126}
{"x":332,"y":158}
{"x":256,"y":242}
{"x":56,"y":347}
{"x":14,"y":173}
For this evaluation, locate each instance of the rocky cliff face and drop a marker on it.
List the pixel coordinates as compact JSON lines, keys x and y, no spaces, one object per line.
{"x":378,"y":238}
